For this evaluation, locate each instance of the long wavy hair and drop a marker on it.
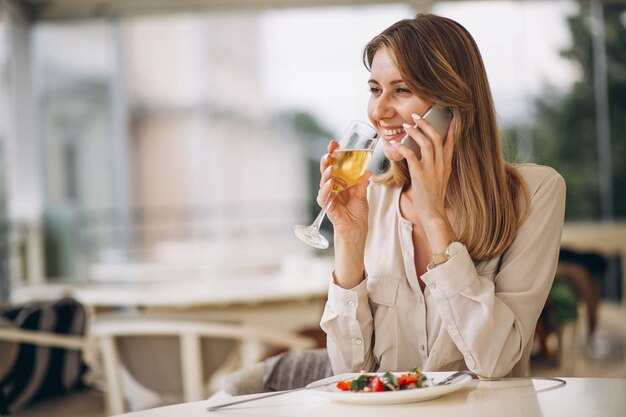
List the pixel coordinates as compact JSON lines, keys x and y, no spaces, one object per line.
{"x":440,"y":61}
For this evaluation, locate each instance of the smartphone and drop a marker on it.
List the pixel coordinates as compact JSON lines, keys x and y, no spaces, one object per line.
{"x":439,"y":117}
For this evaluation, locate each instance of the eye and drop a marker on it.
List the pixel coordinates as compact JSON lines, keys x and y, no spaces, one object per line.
{"x":402,"y":90}
{"x":374,"y":90}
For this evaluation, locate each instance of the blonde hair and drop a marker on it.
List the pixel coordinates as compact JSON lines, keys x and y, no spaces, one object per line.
{"x":440,"y":62}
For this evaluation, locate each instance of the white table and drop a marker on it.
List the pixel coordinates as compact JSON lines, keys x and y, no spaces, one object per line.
{"x":260,"y":298}
{"x":605,"y":238}
{"x":189,"y":290}
{"x":581,"y":397}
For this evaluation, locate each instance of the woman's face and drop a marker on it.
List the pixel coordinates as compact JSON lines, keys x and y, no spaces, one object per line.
{"x":391,"y":102}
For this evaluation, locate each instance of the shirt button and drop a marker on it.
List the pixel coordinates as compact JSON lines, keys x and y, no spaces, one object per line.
{"x":358,"y":341}
{"x":422,"y":348}
{"x":433,"y":286}
{"x":450,"y":328}
{"x":351,"y":303}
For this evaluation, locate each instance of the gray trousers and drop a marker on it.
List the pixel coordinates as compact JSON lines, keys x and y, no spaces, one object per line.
{"x":281,"y":372}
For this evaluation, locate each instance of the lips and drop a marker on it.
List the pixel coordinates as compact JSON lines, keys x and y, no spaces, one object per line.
{"x":391,"y":133}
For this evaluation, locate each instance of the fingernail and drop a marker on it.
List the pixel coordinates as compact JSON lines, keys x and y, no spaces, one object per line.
{"x":415,"y":117}
{"x":406,"y":125}
{"x":393,"y":142}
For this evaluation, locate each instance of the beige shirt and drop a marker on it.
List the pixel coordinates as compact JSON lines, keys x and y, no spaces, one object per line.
{"x":469,"y":316}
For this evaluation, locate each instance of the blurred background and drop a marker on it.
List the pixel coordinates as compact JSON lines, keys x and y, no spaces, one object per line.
{"x":149,"y":139}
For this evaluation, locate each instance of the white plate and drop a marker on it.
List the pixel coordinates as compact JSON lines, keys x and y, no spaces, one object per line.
{"x":389,"y":397}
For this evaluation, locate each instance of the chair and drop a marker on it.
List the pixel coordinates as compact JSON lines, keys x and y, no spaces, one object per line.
{"x":176,"y":354}
{"x":13,"y":336}
{"x":574,"y":290}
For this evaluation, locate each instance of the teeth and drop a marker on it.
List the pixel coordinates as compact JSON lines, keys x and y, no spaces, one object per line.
{"x":392,"y":131}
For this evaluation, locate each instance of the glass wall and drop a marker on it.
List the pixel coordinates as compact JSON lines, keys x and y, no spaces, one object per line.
{"x":212,"y":176}
{"x":205,"y":148}
{"x":74,"y":66}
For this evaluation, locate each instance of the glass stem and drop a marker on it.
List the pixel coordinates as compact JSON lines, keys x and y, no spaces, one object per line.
{"x":320,"y":217}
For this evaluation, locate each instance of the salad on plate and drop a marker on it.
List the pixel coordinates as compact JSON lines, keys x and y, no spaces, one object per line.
{"x":388,"y":381}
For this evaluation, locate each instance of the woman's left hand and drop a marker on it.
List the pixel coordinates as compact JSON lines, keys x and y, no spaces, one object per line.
{"x":430,"y":174}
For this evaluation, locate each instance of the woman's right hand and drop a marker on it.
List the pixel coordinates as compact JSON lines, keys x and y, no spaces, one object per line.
{"x":348,"y":209}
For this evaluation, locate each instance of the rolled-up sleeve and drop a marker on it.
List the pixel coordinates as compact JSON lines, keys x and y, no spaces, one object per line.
{"x":348,"y":323}
{"x":492,"y":319}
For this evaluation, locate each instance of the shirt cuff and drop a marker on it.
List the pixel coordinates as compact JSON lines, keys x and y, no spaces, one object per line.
{"x":346,"y":302}
{"x":451,"y":277}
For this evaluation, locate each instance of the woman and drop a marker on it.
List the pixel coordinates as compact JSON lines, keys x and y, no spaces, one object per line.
{"x":444,"y":262}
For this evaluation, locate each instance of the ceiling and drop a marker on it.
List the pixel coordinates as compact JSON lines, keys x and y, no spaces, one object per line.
{"x":85,"y":9}
{"x":81,"y":9}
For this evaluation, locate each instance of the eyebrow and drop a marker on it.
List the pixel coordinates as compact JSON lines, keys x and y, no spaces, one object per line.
{"x":394,"y":82}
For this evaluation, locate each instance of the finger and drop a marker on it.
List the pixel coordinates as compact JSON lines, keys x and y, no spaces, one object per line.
{"x":428,"y":129}
{"x":325,"y":161}
{"x":326,"y":175}
{"x":324,"y":192}
{"x":425,"y":144}
{"x":404,"y":150}
{"x":361,"y":186}
{"x":424,"y":129}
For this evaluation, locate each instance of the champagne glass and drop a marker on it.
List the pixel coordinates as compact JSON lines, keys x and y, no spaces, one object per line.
{"x":349,"y":162}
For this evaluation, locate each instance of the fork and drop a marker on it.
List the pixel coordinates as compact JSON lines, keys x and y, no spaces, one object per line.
{"x":454,"y":376}
{"x":271,"y":394}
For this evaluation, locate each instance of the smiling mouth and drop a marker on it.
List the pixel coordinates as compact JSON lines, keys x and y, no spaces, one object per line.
{"x":392,"y":132}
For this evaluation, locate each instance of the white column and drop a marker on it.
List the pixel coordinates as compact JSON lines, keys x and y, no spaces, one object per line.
{"x":603,"y":126}
{"x":23,"y":153}
{"x":4,"y":239}
{"x":120,"y":148}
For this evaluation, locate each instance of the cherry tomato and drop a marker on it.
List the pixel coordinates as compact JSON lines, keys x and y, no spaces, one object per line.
{"x":343,"y":385}
{"x":406,"y":379}
{"x":377,"y":385}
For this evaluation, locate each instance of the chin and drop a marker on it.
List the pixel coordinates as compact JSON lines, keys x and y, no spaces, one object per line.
{"x":392,"y":154}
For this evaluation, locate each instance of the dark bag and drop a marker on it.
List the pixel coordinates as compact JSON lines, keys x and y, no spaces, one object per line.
{"x":41,"y":371}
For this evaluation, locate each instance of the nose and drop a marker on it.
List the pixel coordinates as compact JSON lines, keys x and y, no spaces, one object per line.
{"x":381,"y":108}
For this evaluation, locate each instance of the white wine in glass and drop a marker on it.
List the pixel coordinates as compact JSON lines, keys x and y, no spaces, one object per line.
{"x":349,"y":167}
{"x":349,"y":162}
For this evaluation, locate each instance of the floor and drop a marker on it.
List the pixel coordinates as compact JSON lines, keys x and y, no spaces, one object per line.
{"x":87,"y":403}
{"x":604,"y":356}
